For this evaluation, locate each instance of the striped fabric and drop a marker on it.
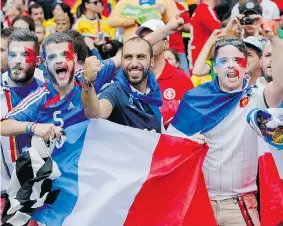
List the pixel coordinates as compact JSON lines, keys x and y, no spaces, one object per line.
{"x":30,"y":185}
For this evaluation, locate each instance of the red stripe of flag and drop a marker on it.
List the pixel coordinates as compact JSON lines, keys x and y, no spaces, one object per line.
{"x":168,"y":196}
{"x":271,"y":191}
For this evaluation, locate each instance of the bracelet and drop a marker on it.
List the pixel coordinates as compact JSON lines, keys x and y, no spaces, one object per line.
{"x":86,"y":84}
{"x":27,"y":129}
{"x":32,"y":128}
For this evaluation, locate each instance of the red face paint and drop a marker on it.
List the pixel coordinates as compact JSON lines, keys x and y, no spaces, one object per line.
{"x":237,"y":72}
{"x":241,"y":62}
{"x":30,"y":55}
{"x":69,"y":54}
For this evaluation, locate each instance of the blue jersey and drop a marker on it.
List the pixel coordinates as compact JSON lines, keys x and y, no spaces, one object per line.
{"x":46,"y":106}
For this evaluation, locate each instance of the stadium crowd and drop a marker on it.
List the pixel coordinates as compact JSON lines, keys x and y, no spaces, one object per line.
{"x":139,"y":63}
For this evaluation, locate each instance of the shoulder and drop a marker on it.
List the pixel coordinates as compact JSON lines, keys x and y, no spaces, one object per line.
{"x":113,"y":87}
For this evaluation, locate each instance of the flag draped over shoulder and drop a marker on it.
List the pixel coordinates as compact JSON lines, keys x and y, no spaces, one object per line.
{"x":205,"y":106}
{"x":269,"y":126}
{"x":117,"y":175}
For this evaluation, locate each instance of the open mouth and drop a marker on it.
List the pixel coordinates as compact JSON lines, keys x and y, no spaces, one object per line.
{"x":61,"y":72}
{"x":233,"y":74}
{"x":135,"y":72}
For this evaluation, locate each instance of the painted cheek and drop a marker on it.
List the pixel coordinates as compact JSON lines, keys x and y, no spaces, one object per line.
{"x":237,"y":73}
{"x":31,"y":56}
{"x":70,"y":53}
{"x":242,"y":62}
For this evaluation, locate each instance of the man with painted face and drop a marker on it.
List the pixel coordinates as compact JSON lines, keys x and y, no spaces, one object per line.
{"x":58,"y":104}
{"x":16,"y":83}
{"x":217,"y":110}
{"x":134,"y":98}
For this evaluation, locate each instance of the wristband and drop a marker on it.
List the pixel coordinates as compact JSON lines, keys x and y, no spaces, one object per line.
{"x":32,"y":128}
{"x":28,"y":128}
{"x":86,"y":84}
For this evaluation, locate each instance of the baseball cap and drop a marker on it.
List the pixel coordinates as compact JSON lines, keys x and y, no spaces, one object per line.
{"x":152,"y":24}
{"x":251,"y":6}
{"x":255,"y":42}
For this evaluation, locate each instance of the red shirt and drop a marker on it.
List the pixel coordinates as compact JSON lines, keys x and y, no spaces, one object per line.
{"x":279,"y":4}
{"x":176,"y":39}
{"x":204,"y":21}
{"x":173,"y":83}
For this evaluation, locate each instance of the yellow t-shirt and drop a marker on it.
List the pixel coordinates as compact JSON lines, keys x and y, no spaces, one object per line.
{"x":90,"y":27}
{"x":197,"y":81}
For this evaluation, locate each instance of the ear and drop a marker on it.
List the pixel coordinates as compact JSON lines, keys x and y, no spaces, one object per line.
{"x":38,"y":60}
{"x":152,"y":62}
{"x":165,"y":44}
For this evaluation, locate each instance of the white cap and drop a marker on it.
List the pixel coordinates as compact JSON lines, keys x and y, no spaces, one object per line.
{"x":152,"y":24}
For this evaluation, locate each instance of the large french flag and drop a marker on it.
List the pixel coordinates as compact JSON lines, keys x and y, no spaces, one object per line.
{"x":269,"y":126}
{"x":117,"y":175}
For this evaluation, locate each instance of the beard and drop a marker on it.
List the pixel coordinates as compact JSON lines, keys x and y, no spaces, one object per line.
{"x":144,"y":76}
{"x":61,"y":84}
{"x":268,"y":78}
{"x":23,"y":79}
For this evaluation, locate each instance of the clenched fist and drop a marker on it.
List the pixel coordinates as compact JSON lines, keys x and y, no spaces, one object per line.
{"x":91,"y":68}
{"x":47,"y":131}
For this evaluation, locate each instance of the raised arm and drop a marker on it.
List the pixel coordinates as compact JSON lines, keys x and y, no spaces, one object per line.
{"x":175,"y":23}
{"x":200,"y":67}
{"x":274,"y":91}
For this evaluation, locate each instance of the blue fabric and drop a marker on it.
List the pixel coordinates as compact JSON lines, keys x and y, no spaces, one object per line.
{"x":94,"y":52}
{"x":153,"y":98}
{"x":184,"y":65}
{"x":205,"y":106}
{"x":281,"y":105}
{"x":48,"y":214}
{"x":129,"y":111}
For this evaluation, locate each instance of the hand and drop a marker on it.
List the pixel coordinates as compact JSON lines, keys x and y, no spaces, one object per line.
{"x":161,"y":9}
{"x":234,"y":26}
{"x":176,"y":22}
{"x":98,"y":42}
{"x":89,"y":42}
{"x":47,"y":131}
{"x":91,"y":68}
{"x":215,"y":36}
{"x":107,"y":47}
{"x":199,"y":138}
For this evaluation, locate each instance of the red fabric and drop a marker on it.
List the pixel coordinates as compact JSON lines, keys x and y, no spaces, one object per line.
{"x":176,"y":39}
{"x":2,"y":208}
{"x":173,"y":83}
{"x":204,"y":21}
{"x":271,"y":191}
{"x":167,"y":194}
{"x":279,"y":4}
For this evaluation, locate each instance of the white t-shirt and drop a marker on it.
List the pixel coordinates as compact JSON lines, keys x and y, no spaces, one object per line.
{"x":270,"y":10}
{"x":230,"y":167}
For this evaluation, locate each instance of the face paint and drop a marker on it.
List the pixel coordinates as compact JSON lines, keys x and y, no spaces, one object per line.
{"x":21,"y":63}
{"x":30,"y":55}
{"x":224,"y":62}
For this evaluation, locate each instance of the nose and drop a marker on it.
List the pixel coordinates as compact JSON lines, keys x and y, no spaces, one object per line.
{"x":134,"y":62}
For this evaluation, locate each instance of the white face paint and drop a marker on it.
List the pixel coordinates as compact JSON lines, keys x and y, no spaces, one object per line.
{"x":60,"y":63}
{"x":21,"y":60}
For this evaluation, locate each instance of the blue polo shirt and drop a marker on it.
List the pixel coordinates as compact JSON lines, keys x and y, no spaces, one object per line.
{"x":128,"y":110}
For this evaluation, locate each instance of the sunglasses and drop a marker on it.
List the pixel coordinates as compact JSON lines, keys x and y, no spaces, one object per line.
{"x":94,"y":2}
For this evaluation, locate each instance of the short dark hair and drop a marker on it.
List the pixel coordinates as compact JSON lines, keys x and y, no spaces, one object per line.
{"x":238,"y":43}
{"x":176,"y":55}
{"x":139,"y":39}
{"x":34,"y":6}
{"x":6,"y":32}
{"x":57,"y":37}
{"x":80,"y":46}
{"x":24,"y":35}
{"x":27,"y":19}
